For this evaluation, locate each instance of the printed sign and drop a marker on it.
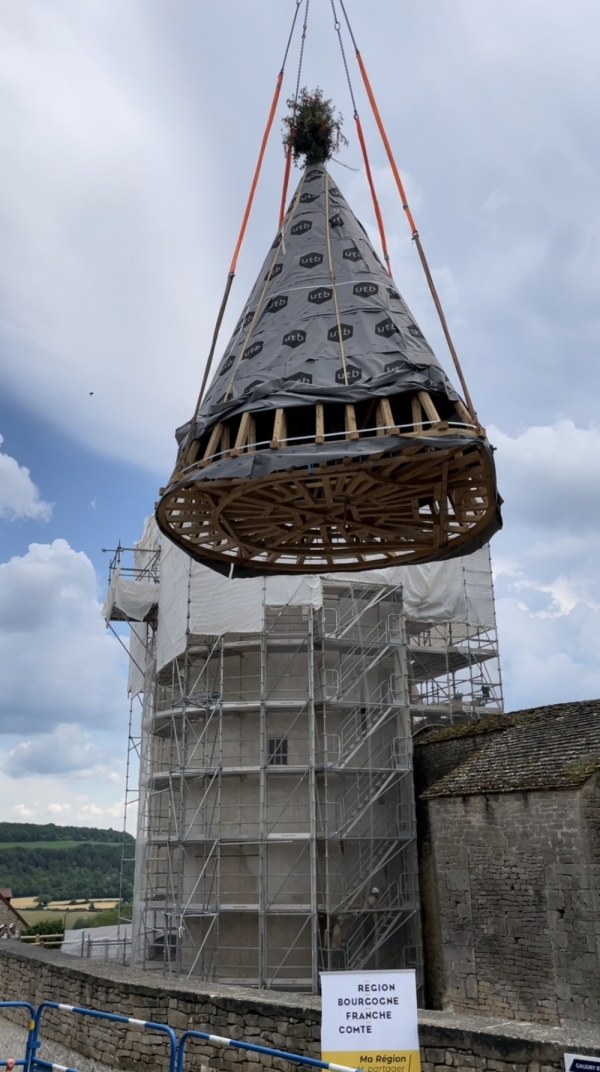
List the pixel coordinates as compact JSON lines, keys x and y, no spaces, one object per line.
{"x":370,"y":1020}
{"x":576,"y":1062}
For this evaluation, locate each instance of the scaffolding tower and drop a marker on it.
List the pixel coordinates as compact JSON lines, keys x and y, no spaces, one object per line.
{"x":276,"y":831}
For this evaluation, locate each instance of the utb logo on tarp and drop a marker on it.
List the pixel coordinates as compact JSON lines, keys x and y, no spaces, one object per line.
{"x":351,"y":375}
{"x":334,"y":333}
{"x":415,"y":331}
{"x":277,"y":303}
{"x":385,"y":328}
{"x":311,"y":260}
{"x":300,"y":377}
{"x":320,"y":295}
{"x":252,"y":351}
{"x":302,"y":227}
{"x":352,"y":254}
{"x":294,"y":338}
{"x":228,"y":364}
{"x":365,"y":290}
{"x":275,"y":270}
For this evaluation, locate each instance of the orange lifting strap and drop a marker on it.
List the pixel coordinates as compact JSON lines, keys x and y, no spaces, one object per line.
{"x":413,"y":227}
{"x":246,"y":216}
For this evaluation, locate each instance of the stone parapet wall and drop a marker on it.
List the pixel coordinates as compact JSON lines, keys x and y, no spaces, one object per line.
{"x":285,"y":1021}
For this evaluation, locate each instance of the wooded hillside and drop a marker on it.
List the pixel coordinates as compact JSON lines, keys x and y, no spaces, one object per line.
{"x":63,"y":862}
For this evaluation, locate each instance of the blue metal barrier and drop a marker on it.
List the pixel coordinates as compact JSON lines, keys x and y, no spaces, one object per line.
{"x":38,"y":1064}
{"x":239,"y":1045}
{"x":114,"y":1017}
{"x":25,"y":1061}
{"x":32,"y":1063}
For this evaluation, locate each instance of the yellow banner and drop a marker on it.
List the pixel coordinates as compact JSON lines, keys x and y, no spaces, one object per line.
{"x":376,"y":1060}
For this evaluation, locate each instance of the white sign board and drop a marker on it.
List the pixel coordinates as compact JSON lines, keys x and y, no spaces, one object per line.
{"x":370,"y":1020}
{"x":576,"y":1062}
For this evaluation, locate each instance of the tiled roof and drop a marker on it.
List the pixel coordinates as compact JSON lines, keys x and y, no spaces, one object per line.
{"x":555,"y":747}
{"x":487,"y":724}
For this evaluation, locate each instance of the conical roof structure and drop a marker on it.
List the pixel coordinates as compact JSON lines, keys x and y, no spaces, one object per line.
{"x":330,"y":436}
{"x":321,"y":280}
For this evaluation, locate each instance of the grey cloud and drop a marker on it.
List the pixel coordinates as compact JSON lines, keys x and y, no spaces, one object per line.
{"x":124,"y":188}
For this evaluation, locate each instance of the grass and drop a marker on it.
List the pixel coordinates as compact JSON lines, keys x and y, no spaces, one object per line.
{"x":30,"y":903}
{"x":52,"y":844}
{"x":69,"y":915}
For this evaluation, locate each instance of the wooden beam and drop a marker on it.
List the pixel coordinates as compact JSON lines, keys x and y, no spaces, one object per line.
{"x":246,"y":435}
{"x":251,"y":440}
{"x":320,"y":423}
{"x":417,"y":413}
{"x":427,"y":403}
{"x":463,"y":412}
{"x":192,"y":453}
{"x":213,"y":442}
{"x":279,"y":430}
{"x":385,"y":418}
{"x":351,"y":429}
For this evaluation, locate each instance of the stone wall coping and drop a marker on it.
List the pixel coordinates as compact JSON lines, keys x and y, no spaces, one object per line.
{"x":485,"y":1035}
{"x":570,"y":1039}
{"x":144,"y":983}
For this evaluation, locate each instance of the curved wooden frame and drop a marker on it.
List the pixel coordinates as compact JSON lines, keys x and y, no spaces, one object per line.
{"x":422,"y":502}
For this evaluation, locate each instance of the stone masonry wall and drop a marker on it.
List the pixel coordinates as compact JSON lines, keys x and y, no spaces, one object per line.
{"x":433,"y":760}
{"x":515,"y":877}
{"x":7,"y":915}
{"x":449,"y":1041}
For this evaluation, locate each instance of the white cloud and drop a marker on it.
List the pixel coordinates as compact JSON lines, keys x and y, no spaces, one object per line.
{"x":59,"y":798}
{"x":59,"y":663}
{"x":548,"y":659}
{"x":19,"y":497}
{"x":95,"y":812}
{"x":547,"y":563}
{"x":551,"y":475}
{"x":66,"y":751}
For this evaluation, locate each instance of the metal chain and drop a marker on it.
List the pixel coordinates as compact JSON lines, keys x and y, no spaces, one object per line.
{"x":338,"y":28}
{"x":301,"y":57}
{"x":287,"y":47}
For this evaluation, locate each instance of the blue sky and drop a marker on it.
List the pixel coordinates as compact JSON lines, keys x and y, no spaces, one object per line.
{"x":128,"y":135}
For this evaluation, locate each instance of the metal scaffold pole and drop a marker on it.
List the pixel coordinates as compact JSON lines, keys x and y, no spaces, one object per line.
{"x":276,"y":832}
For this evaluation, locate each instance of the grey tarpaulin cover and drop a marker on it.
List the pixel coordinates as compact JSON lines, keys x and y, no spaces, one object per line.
{"x":289,"y":353}
{"x":325,"y":324}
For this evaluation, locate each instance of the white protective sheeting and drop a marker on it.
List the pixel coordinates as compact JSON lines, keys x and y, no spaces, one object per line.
{"x":129,"y":600}
{"x":148,"y":541}
{"x":138,"y":640}
{"x":455,"y":591}
{"x":217,"y":605}
{"x":99,"y":943}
